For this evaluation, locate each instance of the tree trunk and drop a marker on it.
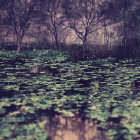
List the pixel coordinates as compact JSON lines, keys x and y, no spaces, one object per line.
{"x":84,"y":46}
{"x":125,"y":34}
{"x":56,"y":40}
{"x":19,"y":43}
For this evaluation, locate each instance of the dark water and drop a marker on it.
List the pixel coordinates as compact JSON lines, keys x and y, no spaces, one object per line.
{"x":63,"y":128}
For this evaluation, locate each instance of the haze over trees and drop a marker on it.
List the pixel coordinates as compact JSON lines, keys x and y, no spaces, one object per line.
{"x":81,"y":22}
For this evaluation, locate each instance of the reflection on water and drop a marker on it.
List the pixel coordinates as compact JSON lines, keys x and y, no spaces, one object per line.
{"x":61,"y":128}
{"x":43,"y":69}
{"x":40,"y":69}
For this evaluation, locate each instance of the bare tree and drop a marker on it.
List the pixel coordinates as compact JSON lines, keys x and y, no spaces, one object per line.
{"x":4,"y":22}
{"x":127,"y":13}
{"x":53,"y":18}
{"x":20,"y":12}
{"x":85,"y":17}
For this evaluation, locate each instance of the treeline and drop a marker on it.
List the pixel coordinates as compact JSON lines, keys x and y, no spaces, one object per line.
{"x":52,"y":21}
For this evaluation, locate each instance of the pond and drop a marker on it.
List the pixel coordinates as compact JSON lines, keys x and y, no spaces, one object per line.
{"x":75,"y":128}
{"x":92,"y":99}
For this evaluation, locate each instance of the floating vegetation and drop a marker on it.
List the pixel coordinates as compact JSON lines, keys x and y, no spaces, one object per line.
{"x":105,"y":91}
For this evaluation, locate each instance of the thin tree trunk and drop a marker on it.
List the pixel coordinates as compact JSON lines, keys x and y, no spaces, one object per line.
{"x":56,"y":41}
{"x":84,"y":46}
{"x":125,"y":30}
{"x":19,"y":43}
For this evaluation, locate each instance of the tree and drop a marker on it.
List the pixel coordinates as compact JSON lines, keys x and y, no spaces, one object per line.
{"x":85,"y":17}
{"x":20,"y":12}
{"x":4,"y":22}
{"x":127,"y":13}
{"x":52,"y":18}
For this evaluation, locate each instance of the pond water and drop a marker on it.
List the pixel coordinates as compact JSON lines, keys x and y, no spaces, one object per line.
{"x":101,"y":90}
{"x":75,"y":128}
